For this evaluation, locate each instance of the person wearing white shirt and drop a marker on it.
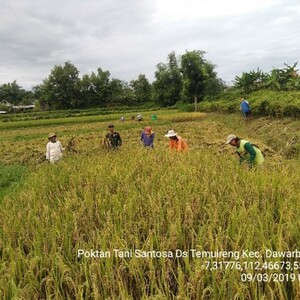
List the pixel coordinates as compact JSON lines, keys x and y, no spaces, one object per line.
{"x":139,"y":117}
{"x":54,"y":149}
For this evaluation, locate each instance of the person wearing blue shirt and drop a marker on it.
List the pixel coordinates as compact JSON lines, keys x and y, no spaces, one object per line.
{"x":245,"y":108}
{"x":147,"y":137}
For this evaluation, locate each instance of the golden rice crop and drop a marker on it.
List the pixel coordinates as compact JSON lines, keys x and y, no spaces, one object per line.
{"x":147,"y":200}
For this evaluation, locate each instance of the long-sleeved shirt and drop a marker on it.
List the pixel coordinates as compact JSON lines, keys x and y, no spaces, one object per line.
{"x":179,"y":144}
{"x":252,"y":154}
{"x":54,"y":151}
{"x":249,"y":152}
{"x":147,"y":139}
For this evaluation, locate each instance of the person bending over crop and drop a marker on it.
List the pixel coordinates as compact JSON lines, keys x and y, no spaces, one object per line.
{"x":112,"y":139}
{"x":139,"y":117}
{"x":176,"y":141}
{"x":54,"y":149}
{"x":246,"y":151}
{"x":147,"y":137}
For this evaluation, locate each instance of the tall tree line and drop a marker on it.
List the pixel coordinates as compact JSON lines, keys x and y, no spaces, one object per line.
{"x":189,"y":77}
{"x":63,"y":89}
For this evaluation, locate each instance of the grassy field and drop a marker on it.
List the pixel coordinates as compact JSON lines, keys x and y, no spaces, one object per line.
{"x":156,"y":201}
{"x":59,"y":114}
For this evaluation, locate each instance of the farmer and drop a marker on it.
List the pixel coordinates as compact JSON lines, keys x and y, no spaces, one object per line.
{"x":246,"y":151}
{"x":147,"y":137}
{"x":245,"y":108}
{"x":112,"y":139}
{"x":122,"y":118}
{"x":176,"y":141}
{"x":54,"y":149}
{"x":154,"y":117}
{"x":139,"y":117}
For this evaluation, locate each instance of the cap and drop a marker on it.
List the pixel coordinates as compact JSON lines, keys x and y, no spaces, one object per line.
{"x":230,"y":138}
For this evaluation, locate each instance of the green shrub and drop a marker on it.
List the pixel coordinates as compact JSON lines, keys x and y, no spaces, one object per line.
{"x":6,"y":119}
{"x":185,"y":107}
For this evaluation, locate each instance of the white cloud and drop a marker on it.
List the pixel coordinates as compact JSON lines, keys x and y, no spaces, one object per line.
{"x":131,"y":37}
{"x":204,"y":9}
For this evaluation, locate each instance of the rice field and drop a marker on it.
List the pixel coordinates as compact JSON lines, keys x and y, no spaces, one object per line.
{"x":149,"y":224}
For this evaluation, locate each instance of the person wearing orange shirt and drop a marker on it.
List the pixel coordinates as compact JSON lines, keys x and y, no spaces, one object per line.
{"x":176,"y":141}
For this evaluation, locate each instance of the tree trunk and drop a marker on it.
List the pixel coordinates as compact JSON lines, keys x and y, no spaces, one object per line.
{"x":196,"y":102}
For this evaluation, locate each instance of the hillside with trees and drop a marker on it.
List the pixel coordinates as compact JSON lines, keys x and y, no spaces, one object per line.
{"x":276,"y":93}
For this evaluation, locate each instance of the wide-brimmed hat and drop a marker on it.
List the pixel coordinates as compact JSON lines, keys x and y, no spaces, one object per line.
{"x":148,"y":129}
{"x":171,"y":133}
{"x":230,"y":138}
{"x":51,"y":135}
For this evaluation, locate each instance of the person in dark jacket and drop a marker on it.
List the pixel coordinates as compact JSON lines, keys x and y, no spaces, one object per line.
{"x":112,"y":139}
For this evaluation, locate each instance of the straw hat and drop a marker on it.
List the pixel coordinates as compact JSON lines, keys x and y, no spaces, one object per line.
{"x":51,"y":135}
{"x":171,"y":133}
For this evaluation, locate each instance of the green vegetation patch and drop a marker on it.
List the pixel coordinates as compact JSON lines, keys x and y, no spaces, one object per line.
{"x":263,"y":103}
{"x":10,"y":176}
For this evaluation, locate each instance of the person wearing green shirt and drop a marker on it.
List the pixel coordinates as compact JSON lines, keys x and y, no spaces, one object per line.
{"x":154,"y":117}
{"x":246,"y":151}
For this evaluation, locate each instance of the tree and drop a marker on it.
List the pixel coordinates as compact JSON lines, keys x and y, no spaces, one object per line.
{"x":283,"y":79}
{"x":39,"y":94}
{"x":121,"y":92}
{"x":213,"y":85}
{"x":128,"y":94}
{"x":252,"y":81}
{"x":142,"y":89}
{"x":168,"y":83}
{"x":13,"y":93}
{"x":195,"y":74}
{"x":87,"y":91}
{"x":115,"y":91}
{"x":101,"y":83}
{"x":61,"y":90}
{"x":95,"y":89}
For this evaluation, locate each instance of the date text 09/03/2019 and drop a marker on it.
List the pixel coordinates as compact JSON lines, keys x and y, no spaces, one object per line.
{"x":266,"y":277}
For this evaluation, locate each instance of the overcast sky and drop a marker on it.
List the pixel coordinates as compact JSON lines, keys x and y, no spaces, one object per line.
{"x":130,"y":37}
